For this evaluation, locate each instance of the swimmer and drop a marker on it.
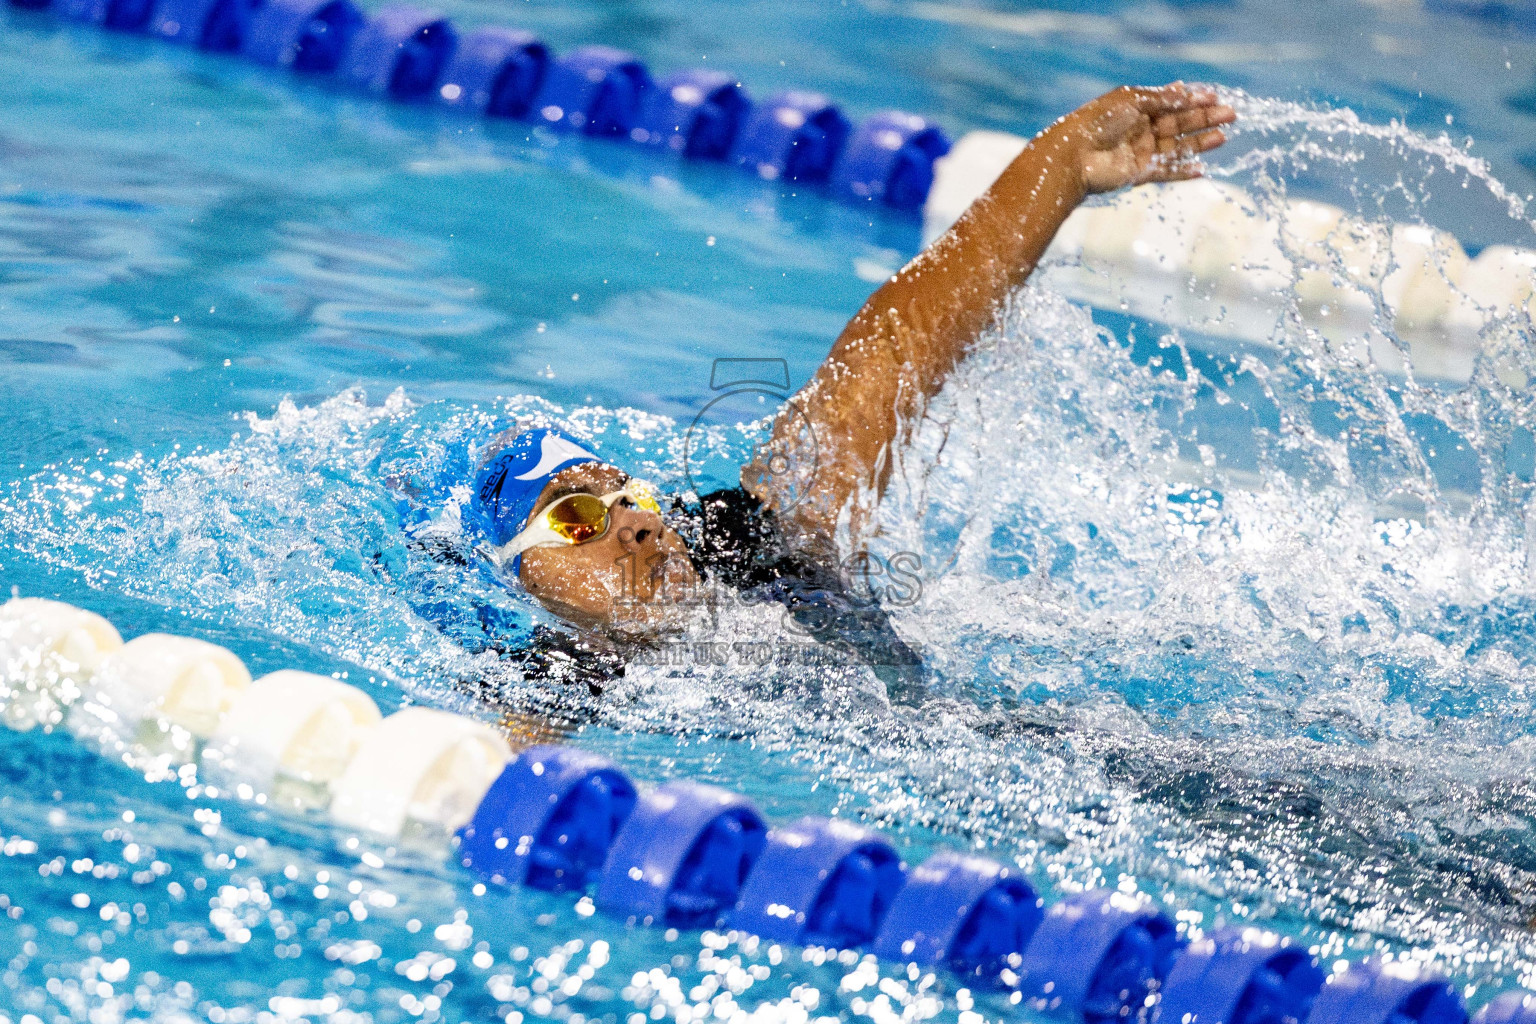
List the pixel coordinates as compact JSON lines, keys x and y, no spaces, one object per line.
{"x":598,"y":548}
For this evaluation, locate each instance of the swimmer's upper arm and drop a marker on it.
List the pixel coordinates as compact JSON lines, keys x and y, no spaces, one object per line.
{"x":896,"y":353}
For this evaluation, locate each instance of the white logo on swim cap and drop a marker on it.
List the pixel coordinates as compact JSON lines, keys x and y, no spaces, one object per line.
{"x":553,"y":451}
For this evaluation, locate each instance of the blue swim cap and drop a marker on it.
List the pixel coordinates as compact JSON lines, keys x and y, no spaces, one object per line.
{"x":509,"y":483}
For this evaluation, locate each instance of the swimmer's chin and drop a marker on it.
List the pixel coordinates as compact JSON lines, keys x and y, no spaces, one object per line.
{"x":629,"y":622}
{"x":625,"y":618}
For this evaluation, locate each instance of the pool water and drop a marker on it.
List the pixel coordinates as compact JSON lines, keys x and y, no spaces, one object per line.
{"x":1249,"y":631}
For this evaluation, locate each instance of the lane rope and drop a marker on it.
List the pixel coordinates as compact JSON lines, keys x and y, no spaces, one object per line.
{"x":410,"y":54}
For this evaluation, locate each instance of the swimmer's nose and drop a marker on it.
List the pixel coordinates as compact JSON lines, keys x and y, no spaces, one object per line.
{"x":638,"y":525}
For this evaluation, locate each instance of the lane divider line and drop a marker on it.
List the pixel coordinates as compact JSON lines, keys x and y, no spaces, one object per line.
{"x":412,"y":54}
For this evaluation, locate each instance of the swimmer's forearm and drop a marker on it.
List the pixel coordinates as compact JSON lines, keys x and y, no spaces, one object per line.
{"x":896,"y":353}
{"x":934,"y":309}
{"x":901,"y":347}
{"x":919,"y":325}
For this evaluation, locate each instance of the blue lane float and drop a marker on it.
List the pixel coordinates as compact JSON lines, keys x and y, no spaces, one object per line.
{"x":120,"y":15}
{"x":1096,"y":953}
{"x":218,"y":26}
{"x":497,"y":72}
{"x":794,"y":136}
{"x":1520,"y":14}
{"x":548,"y":820}
{"x":967,"y":913}
{"x":1240,"y":976}
{"x":401,"y":52}
{"x":890,"y":159}
{"x":696,"y":113}
{"x":406,"y":53}
{"x":306,"y":35}
{"x":1381,"y":992}
{"x":681,"y":858}
{"x":820,"y":882}
{"x":88,"y":11}
{"x":596,"y":90}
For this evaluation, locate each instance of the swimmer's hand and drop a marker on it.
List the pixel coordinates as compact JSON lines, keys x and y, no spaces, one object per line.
{"x":1135,"y":135}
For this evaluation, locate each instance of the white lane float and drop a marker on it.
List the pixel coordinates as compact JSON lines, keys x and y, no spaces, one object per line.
{"x":418,"y":766}
{"x":1505,"y":279}
{"x":156,"y":678}
{"x":1206,"y":255}
{"x":291,"y":734}
{"x":47,"y":650}
{"x":301,"y":739}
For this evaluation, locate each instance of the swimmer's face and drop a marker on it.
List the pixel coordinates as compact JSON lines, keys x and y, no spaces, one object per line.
{"x":631,"y":577}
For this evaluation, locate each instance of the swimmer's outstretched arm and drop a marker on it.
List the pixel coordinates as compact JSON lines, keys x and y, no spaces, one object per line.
{"x":917,"y":327}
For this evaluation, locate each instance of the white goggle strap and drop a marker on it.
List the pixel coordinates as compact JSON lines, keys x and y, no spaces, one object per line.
{"x":532,"y":537}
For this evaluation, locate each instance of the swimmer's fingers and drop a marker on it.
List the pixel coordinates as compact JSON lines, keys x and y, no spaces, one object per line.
{"x":1186,"y":122}
{"x":526,"y":730}
{"x":1192,"y":145}
{"x":1178,"y":159}
{"x":1171,"y":98}
{"x":1172,"y":168}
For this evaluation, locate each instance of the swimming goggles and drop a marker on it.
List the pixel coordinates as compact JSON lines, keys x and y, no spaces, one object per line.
{"x":574,"y":519}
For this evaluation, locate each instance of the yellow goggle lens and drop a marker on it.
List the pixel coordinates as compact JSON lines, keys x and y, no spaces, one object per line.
{"x":578,"y":518}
